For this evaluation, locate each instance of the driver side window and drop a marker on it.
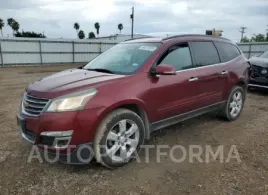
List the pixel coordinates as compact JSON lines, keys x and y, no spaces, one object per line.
{"x":179,"y":56}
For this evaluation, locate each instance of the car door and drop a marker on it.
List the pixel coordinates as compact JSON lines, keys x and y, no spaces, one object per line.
{"x":174,"y":94}
{"x":211,"y":74}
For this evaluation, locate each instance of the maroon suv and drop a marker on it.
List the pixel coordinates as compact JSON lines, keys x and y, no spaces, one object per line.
{"x":118,"y":99}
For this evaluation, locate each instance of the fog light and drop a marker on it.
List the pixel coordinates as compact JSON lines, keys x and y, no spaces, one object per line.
{"x":61,"y":138}
{"x":62,"y":143}
{"x":264,"y":71}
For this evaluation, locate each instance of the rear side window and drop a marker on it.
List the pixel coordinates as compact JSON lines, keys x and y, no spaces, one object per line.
{"x":227,"y":51}
{"x":178,"y":56}
{"x":205,"y":53}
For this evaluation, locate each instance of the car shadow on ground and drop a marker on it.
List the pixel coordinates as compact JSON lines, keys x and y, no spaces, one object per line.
{"x":258,"y":91}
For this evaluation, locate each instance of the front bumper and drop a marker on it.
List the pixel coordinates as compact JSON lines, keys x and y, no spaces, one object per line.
{"x":259,"y":82}
{"x":82,"y":154}
{"x":39,"y":131}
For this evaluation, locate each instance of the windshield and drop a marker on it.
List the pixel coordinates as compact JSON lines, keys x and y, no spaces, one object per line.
{"x":124,"y":58}
{"x":264,"y":55}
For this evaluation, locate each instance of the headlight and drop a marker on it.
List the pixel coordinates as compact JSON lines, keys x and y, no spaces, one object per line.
{"x":71,"y":102}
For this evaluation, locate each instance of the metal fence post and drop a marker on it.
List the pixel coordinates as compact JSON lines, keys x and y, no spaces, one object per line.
{"x":40,"y":52}
{"x":100,"y":47}
{"x":1,"y":54}
{"x":249,"y":52}
{"x":73,"y":53}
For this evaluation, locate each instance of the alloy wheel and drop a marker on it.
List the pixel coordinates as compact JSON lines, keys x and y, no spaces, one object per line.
{"x":236,"y":104}
{"x":122,"y":140}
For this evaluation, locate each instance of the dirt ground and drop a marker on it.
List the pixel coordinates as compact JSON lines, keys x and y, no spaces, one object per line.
{"x":249,"y":133}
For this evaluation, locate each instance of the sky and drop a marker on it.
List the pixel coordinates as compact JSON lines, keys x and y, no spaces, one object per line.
{"x":152,"y":17}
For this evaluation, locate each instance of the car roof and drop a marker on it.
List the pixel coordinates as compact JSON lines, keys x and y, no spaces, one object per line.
{"x":185,"y":37}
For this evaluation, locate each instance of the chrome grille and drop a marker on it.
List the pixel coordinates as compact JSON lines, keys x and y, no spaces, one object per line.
{"x":33,"y":106}
{"x":257,"y":70}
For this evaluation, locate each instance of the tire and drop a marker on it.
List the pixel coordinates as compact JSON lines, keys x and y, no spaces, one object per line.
{"x":233,"y":107}
{"x":118,"y":138}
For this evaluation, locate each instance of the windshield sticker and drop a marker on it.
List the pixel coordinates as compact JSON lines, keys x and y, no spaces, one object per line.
{"x":147,"y":48}
{"x":135,"y":64}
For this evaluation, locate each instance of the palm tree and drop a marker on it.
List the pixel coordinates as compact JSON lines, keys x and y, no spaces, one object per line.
{"x":11,"y":22}
{"x":97,"y":26}
{"x":81,"y":34}
{"x":2,"y":24}
{"x":120,"y":27}
{"x":76,"y":27}
{"x":91,"y":35}
{"x":15,"y":26}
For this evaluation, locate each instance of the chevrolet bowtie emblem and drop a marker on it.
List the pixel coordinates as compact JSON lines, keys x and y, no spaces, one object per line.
{"x":25,"y":104}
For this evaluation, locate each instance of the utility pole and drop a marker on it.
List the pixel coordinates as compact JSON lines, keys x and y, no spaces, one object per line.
{"x":242,"y":32}
{"x":267,"y":33}
{"x":132,"y":22}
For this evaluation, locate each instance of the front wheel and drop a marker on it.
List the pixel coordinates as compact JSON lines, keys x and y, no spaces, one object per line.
{"x":118,"y":138}
{"x":234,"y":106}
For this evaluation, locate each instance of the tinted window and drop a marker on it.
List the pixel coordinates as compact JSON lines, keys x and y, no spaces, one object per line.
{"x":179,"y":57}
{"x":205,"y":53}
{"x":227,"y":51}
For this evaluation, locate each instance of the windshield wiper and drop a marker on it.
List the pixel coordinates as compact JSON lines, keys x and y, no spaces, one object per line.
{"x":100,"y":70}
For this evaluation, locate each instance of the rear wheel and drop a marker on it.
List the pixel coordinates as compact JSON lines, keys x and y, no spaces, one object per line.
{"x":234,"y":106}
{"x":118,"y":138}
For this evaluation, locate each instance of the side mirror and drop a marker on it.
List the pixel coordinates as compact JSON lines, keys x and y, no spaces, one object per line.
{"x":164,"y":69}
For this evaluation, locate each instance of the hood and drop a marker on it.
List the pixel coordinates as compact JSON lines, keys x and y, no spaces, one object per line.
{"x":263,"y":62}
{"x":68,"y":81}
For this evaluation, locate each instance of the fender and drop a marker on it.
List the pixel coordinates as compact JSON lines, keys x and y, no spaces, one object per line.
{"x":140,"y":103}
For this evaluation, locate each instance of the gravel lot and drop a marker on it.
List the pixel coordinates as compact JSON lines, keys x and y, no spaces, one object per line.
{"x":248,"y":133}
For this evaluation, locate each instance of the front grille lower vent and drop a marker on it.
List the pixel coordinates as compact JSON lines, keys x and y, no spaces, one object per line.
{"x":257,"y":70}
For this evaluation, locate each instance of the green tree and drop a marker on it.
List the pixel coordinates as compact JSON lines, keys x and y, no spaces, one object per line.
{"x":258,"y":38}
{"x":81,"y":34}
{"x":97,"y":26}
{"x":120,"y":27}
{"x":91,"y":35}
{"x":2,"y":24}
{"x":29,"y":34}
{"x":245,"y":40}
{"x":15,"y":26}
{"x":10,"y":21}
{"x":76,"y":27}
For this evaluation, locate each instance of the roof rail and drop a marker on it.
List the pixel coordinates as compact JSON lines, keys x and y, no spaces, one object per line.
{"x":186,"y":35}
{"x":136,"y":38}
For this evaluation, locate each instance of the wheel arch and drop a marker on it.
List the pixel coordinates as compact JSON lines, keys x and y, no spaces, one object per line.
{"x":135,"y":106}
{"x":242,"y":84}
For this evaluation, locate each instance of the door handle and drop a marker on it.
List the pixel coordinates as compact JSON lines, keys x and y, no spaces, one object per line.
{"x":224,"y":72}
{"x":193,"y":79}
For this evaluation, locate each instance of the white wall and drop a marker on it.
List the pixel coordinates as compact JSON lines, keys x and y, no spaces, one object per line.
{"x":20,"y":51}
{"x":252,"y":49}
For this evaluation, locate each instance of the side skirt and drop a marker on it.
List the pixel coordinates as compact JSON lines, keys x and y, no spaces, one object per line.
{"x":182,"y":117}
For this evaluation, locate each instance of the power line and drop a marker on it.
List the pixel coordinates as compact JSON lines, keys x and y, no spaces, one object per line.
{"x":242,"y":32}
